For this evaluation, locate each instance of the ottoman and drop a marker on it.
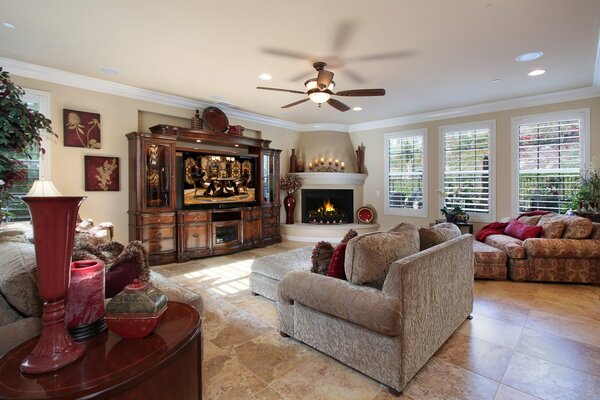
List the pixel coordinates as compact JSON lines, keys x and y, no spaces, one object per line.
{"x":490,"y":263}
{"x":268,"y":271}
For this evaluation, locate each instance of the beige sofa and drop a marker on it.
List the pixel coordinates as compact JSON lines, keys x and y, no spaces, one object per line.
{"x":20,"y":306}
{"x":390,"y":332}
{"x":568,"y":251}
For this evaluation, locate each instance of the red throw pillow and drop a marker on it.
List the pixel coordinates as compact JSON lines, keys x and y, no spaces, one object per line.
{"x":336,"y":265}
{"x":522,"y":231}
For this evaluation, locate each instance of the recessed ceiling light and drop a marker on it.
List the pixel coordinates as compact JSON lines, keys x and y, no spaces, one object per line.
{"x":236,"y":145}
{"x":356,"y":108}
{"x":497,"y":80}
{"x":198,"y":141}
{"x":534,"y":55}
{"x":265,"y":77}
{"x":537,"y":72}
{"x":108,"y":70}
{"x":8,"y":25}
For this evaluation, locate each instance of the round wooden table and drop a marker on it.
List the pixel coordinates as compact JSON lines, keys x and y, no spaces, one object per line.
{"x":165,"y":365}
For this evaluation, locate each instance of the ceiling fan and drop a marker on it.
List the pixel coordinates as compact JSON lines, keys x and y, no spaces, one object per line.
{"x":319,"y":90}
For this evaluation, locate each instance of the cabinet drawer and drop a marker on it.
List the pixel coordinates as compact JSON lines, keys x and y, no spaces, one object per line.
{"x":195,"y":217}
{"x":267,"y":212}
{"x":158,"y":219}
{"x":157,"y":246}
{"x":195,"y":237}
{"x":251,"y":230}
{"x":157,"y":233}
{"x":253,"y":213}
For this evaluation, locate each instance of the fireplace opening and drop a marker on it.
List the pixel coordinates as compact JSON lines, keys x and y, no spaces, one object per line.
{"x":331,"y":206}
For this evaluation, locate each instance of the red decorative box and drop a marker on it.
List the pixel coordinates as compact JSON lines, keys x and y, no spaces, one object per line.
{"x":236,"y":130}
{"x":136,"y":311}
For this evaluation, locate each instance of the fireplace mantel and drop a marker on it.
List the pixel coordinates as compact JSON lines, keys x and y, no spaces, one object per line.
{"x":307,"y":232}
{"x":331,"y":178}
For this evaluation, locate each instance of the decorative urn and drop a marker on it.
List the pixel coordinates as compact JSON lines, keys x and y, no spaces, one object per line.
{"x":136,"y":311}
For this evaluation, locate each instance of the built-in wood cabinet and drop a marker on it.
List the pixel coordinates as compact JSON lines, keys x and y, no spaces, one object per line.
{"x":170,"y":234}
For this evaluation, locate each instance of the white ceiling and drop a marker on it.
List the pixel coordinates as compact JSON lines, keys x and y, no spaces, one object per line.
{"x":443,"y":53}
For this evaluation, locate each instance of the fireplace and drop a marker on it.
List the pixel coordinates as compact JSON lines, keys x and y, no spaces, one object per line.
{"x":327,"y":206}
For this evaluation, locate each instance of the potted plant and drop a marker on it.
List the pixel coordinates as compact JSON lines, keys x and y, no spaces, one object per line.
{"x":587,"y":197}
{"x":21,"y":130}
{"x":291,"y":183}
{"x":455,"y":214}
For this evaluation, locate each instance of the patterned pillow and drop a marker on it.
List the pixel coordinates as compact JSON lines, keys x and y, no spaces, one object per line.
{"x":336,"y":265}
{"x":323,"y":251}
{"x":577,"y":228}
{"x":440,"y":233}
{"x":321,"y":256}
{"x":529,"y":220}
{"x":368,"y":257}
{"x":552,"y":229}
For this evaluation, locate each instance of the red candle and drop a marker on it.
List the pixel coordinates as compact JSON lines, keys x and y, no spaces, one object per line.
{"x":85,"y":299}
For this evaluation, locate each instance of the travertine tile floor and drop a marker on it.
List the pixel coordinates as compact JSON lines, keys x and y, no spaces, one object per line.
{"x":527,"y":341}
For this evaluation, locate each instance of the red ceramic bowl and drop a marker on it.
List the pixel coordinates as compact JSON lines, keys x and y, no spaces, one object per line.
{"x":133,"y":326}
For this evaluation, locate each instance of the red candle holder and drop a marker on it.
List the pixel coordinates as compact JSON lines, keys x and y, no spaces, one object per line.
{"x":84,"y":309}
{"x":54,"y":220}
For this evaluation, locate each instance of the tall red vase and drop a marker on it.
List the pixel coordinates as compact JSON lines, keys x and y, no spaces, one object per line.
{"x":54,"y":220}
{"x":289,"y":203}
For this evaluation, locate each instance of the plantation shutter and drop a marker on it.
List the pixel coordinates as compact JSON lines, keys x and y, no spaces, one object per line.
{"x":549,"y":164}
{"x":466,"y":157}
{"x":405,"y":172}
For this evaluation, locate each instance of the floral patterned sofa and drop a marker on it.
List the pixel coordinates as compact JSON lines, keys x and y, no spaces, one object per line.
{"x":568,"y":251}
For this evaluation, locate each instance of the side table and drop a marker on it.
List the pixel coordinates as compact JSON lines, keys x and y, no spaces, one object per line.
{"x":465,"y":227}
{"x":166,"y":364}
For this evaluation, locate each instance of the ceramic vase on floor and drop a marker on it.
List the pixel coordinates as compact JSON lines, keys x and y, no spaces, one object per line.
{"x":54,"y":220}
{"x":289,"y":203}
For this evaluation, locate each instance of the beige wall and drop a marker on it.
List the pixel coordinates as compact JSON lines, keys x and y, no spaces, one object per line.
{"x":120,"y":115}
{"x":326,"y":144}
{"x":374,"y":157}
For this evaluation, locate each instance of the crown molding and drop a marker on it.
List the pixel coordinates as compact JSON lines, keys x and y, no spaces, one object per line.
{"x":502,"y":105}
{"x":53,"y":75}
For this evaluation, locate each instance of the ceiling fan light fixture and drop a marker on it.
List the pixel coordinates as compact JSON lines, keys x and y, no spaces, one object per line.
{"x":319,"y":97}
{"x":312,"y":84}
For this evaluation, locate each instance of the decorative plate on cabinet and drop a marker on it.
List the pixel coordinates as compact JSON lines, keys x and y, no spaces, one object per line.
{"x":365,"y":215}
{"x":215,"y":120}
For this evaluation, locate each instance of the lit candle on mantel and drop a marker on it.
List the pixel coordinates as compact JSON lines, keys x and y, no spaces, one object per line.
{"x":310,"y":166}
{"x":322,"y":160}
{"x":337,"y":162}
{"x":343,"y":165}
{"x":330,"y":161}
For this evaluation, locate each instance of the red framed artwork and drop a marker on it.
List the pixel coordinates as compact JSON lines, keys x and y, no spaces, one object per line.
{"x":81,"y":129}
{"x":101,"y":174}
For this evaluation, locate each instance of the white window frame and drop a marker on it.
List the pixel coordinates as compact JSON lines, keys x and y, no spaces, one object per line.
{"x":43,"y":99}
{"x":583,"y":114}
{"x":491,"y":126}
{"x":406,"y":211}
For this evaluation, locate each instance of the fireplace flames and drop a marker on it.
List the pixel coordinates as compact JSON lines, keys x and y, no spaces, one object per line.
{"x":327,"y":206}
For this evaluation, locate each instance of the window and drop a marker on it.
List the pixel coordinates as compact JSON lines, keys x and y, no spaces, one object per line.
{"x":37,"y":166}
{"x":406,"y":173}
{"x":550,"y":152}
{"x":467,"y":168}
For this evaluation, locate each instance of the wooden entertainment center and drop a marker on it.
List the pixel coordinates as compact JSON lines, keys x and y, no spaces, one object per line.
{"x":171,"y":232}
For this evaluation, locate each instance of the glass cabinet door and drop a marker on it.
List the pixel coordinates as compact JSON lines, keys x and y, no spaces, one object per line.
{"x":158,"y":175}
{"x":268,"y":178}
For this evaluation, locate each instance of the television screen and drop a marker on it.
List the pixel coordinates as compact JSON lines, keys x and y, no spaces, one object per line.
{"x":214,"y":180}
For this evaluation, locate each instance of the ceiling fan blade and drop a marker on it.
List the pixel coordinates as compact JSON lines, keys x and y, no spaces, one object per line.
{"x":338,"y":105}
{"x":280,"y":90}
{"x":355,"y":76}
{"x":361,"y":92}
{"x":383,"y":56}
{"x":343,"y":36}
{"x":285,"y":53}
{"x":295,"y":103}
{"x":324,"y":79}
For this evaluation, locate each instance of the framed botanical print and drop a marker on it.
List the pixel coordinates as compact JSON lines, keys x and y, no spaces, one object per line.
{"x":101,"y":174}
{"x":81,"y":129}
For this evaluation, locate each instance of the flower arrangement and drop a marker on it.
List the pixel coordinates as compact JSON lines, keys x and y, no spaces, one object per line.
{"x":291,"y":183}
